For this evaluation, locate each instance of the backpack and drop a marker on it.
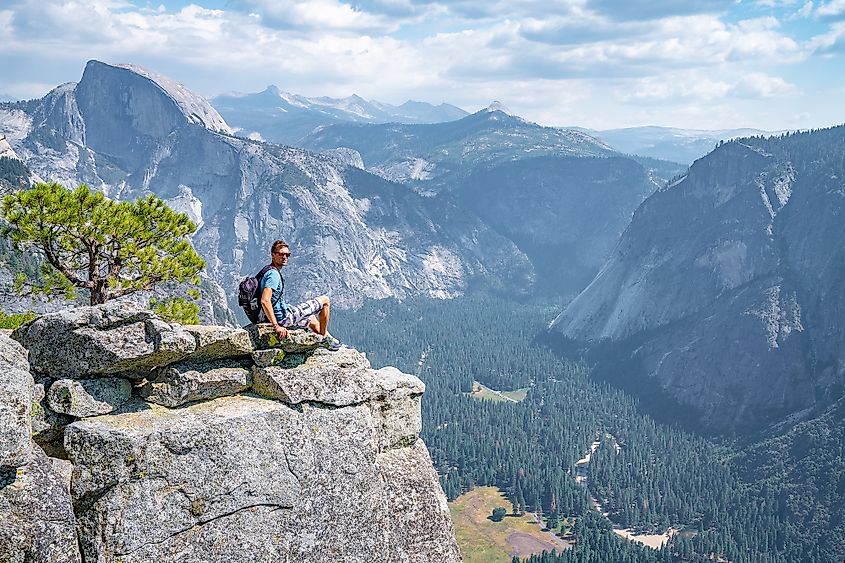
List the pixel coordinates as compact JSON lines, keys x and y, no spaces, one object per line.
{"x":249,"y":295}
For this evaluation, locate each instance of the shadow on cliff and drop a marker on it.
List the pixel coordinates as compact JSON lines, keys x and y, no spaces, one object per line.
{"x":616,"y":363}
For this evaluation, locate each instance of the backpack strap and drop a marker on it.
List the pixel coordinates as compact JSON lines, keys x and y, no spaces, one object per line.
{"x":260,"y":275}
{"x":263,"y":271}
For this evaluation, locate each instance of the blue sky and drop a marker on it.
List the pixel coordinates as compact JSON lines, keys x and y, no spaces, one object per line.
{"x":707,"y":64}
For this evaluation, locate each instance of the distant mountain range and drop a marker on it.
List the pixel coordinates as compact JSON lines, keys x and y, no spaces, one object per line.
{"x":561,"y":195}
{"x":668,"y":143}
{"x":281,"y":117}
{"x":387,"y":210}
{"x":421,"y":153}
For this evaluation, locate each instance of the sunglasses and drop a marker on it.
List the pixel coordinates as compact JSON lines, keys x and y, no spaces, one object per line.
{"x":285,"y":254}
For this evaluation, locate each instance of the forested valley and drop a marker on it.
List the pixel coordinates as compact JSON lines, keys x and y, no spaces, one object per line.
{"x":724,"y":498}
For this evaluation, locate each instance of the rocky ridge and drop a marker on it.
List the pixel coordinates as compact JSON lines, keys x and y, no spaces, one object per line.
{"x":432,"y":154}
{"x":203,"y":443}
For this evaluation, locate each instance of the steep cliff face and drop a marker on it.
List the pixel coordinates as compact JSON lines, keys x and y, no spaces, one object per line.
{"x":565,"y":213}
{"x":203,"y":443}
{"x":726,"y":287}
{"x":129,"y":132}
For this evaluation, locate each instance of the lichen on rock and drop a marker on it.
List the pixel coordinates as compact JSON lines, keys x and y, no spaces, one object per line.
{"x":37,"y":522}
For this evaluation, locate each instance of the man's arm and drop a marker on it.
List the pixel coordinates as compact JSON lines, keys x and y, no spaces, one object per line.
{"x":267,"y":306}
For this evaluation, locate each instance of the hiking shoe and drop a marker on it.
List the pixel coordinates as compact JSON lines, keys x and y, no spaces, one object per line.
{"x":330,"y":343}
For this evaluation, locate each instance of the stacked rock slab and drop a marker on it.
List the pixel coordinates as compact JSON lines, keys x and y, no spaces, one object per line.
{"x":289,"y":453}
{"x":112,"y":339}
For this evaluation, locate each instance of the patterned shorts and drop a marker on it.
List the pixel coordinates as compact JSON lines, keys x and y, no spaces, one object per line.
{"x":299,"y":315}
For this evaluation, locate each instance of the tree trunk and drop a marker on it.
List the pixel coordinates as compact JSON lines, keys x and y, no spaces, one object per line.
{"x":99,"y":293}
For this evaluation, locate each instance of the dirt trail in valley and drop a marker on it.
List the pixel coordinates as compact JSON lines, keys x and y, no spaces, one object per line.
{"x":654,"y":541}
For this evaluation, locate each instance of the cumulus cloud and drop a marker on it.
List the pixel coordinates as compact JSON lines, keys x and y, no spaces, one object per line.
{"x":579,"y":28}
{"x":698,"y":86}
{"x":833,"y":9}
{"x":656,"y":9}
{"x":678,"y":88}
{"x":634,"y":49}
{"x":758,"y":85}
{"x":310,"y":15}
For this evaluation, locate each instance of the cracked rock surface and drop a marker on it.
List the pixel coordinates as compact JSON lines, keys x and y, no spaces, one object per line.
{"x":88,"y":397}
{"x":37,"y":523}
{"x":15,"y":391}
{"x":249,"y":479}
{"x":398,"y":412}
{"x":339,"y":378}
{"x":219,"y":342}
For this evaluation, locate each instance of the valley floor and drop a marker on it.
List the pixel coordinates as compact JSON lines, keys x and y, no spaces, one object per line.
{"x":483,"y":541}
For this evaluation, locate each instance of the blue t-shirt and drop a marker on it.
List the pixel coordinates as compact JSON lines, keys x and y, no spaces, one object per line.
{"x":273,"y":279}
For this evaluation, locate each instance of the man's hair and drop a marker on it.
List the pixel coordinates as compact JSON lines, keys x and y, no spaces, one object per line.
{"x":277,"y":245}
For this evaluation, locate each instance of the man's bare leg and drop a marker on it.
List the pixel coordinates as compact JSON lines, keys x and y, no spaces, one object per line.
{"x":324,"y":314}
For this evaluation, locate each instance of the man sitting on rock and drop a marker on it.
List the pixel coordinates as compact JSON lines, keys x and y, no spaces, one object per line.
{"x":283,"y":316}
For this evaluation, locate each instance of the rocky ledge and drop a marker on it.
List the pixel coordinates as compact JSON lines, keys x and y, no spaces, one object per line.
{"x":204,"y":444}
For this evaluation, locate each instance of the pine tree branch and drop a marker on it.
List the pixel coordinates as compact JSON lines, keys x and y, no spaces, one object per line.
{"x":57,"y":264}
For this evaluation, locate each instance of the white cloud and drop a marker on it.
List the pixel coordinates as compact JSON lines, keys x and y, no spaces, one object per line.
{"x":317,"y":15}
{"x":6,"y":22}
{"x":831,"y":9}
{"x":676,"y":88}
{"x":516,"y":48}
{"x":805,"y":11}
{"x":759,"y":85}
{"x":698,"y":86}
{"x":831,"y":41}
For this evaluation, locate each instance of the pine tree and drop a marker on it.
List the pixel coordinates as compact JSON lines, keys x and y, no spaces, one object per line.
{"x":108,"y":248}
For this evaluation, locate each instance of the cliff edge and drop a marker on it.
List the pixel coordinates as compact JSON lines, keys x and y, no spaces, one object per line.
{"x":204,"y":444}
